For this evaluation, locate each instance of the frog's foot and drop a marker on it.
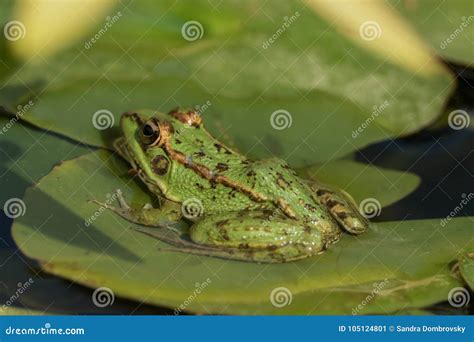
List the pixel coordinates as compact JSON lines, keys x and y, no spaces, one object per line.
{"x":342,"y":208}
{"x":170,"y":235}
{"x":146,"y":216}
{"x":252,"y":236}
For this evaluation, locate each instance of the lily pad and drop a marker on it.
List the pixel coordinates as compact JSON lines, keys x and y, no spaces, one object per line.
{"x":386,"y":187}
{"x":27,"y":154}
{"x":25,"y":288}
{"x":466,"y":266}
{"x":447,"y":25}
{"x":322,"y":86}
{"x":412,"y":255}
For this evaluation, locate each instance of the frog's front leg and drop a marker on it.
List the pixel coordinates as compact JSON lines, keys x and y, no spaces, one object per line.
{"x":261,"y":236}
{"x":147,"y":215}
{"x":342,"y":208}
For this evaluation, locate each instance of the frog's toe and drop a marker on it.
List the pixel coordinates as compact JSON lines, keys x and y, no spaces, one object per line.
{"x":342,"y":208}
{"x":346,"y":215}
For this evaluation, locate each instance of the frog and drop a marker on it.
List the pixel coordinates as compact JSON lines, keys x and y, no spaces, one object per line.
{"x":237,"y":208}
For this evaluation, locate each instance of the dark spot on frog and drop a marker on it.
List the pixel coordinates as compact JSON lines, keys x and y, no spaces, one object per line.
{"x":251,"y":173}
{"x":160,"y":165}
{"x":221,"y":167}
{"x":199,"y":143}
{"x":323,"y":192}
{"x":307,"y":229}
{"x":332,"y":203}
{"x":222,"y":223}
{"x":310,"y":207}
{"x":342,"y":215}
{"x":199,"y":154}
{"x":199,"y":186}
{"x":241,"y":213}
{"x":244,"y":246}
{"x":282,"y":182}
{"x":178,"y":141}
{"x":219,"y":147}
{"x":224,"y":234}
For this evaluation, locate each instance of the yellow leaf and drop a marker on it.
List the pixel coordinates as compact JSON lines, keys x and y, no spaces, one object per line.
{"x":47,"y":26}
{"x":373,"y":25}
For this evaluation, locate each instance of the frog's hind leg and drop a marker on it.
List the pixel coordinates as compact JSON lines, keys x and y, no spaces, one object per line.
{"x":255,"y":236}
{"x":342,"y":208}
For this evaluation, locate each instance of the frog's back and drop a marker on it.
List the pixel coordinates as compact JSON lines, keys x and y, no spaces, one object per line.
{"x":225,"y":180}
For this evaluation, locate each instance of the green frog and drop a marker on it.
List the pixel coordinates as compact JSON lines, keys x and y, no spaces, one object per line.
{"x":240,"y":209}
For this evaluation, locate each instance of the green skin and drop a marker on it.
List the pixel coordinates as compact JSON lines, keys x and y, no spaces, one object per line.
{"x":240,"y":209}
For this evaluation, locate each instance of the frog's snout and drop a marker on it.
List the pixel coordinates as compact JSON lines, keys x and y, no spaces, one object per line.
{"x":129,"y":117}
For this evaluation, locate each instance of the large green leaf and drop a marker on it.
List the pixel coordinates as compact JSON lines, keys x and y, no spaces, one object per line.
{"x":447,"y":25}
{"x":412,"y":255}
{"x":466,"y":267}
{"x":28,"y":154}
{"x":386,"y":186}
{"x":328,"y":84}
{"x":42,"y":293}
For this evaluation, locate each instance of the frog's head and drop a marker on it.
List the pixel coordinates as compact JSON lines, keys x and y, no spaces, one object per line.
{"x":147,"y":140}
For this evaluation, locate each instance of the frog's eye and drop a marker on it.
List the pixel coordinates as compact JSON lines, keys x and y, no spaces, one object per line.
{"x":150,"y":133}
